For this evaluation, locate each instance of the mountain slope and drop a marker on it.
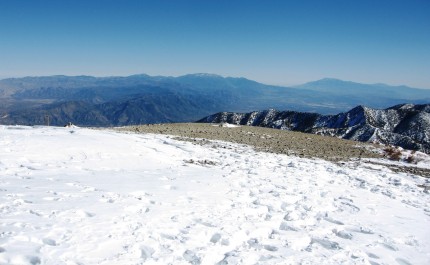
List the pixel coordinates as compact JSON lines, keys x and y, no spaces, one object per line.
{"x":138,"y":109}
{"x":404,"y":125}
{"x":28,"y":100}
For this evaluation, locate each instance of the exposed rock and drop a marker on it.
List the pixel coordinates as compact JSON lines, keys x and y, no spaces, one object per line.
{"x":405,"y":125}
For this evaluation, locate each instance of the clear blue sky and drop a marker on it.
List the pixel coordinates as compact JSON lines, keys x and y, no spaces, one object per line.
{"x":276,"y":42}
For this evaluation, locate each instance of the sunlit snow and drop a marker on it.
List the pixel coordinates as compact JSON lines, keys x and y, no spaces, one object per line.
{"x":80,"y":196}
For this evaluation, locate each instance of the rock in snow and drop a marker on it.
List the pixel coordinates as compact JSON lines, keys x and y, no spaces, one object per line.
{"x":80,"y":196}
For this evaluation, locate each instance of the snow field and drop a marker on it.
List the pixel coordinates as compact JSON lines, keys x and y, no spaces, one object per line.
{"x":79,"y":196}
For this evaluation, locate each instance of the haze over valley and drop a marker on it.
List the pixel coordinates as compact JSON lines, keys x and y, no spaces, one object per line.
{"x":115,"y":101}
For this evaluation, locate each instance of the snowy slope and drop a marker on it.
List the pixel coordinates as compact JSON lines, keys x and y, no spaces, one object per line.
{"x":79,"y":196}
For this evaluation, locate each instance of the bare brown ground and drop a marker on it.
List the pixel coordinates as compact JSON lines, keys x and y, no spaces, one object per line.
{"x":267,"y":139}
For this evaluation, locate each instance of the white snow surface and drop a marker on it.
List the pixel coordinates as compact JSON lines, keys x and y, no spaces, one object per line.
{"x":81,"y":196}
{"x":226,"y":125}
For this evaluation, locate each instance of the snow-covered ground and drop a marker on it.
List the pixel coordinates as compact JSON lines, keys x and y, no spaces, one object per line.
{"x":80,"y":196}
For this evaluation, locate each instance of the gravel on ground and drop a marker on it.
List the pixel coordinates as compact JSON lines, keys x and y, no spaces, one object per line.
{"x":266,"y":139}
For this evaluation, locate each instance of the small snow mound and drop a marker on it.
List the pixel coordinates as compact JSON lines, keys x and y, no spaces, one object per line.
{"x":226,"y":125}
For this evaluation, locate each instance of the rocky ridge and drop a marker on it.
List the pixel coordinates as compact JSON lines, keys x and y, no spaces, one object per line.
{"x":404,"y":125}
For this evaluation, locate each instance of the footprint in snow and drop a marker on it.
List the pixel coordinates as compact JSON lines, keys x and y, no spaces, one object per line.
{"x":333,"y":221}
{"x":389,"y":244}
{"x":21,"y":201}
{"x":215,"y":238}
{"x":403,"y":261}
{"x":49,"y":241}
{"x":373,"y":256}
{"x":286,"y":227}
{"x":143,"y":252}
{"x":229,"y":258}
{"x":328,"y":244}
{"x":346,"y":206}
{"x":292,"y":216}
{"x":270,"y":248}
{"x":200,"y":221}
{"x":342,"y":234}
{"x":35,"y":213}
{"x":33,"y":260}
{"x":191,"y":257}
{"x":88,"y":189}
{"x":254,"y":243}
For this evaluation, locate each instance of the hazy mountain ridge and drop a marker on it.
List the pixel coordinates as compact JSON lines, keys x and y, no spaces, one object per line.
{"x":405,"y":125}
{"x":332,"y":85}
{"x":156,"y":99}
{"x":372,"y":95}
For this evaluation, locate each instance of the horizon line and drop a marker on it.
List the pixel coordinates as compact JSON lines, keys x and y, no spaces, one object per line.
{"x":208,"y":74}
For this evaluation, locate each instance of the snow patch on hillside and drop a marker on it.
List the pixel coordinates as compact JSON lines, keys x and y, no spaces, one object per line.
{"x":226,"y":125}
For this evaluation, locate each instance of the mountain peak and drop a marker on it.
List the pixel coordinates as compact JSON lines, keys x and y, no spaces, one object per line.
{"x":358,"y":108}
{"x":202,"y":75}
{"x":330,"y":79}
{"x":139,"y":76}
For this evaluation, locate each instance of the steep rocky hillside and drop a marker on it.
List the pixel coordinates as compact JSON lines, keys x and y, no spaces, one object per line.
{"x":405,"y":125}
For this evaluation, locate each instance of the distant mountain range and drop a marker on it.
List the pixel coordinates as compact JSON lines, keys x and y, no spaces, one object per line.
{"x":138,"y":99}
{"x":403,"y":125}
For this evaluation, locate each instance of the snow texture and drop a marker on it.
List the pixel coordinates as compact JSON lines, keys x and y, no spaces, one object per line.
{"x":80,"y":196}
